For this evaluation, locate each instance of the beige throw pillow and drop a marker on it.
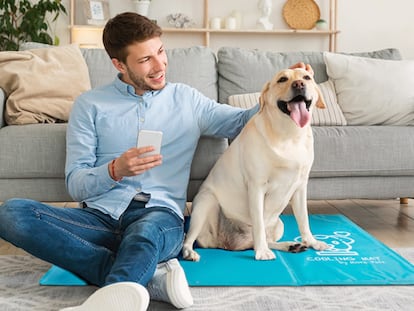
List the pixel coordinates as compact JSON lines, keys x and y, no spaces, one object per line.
{"x":330,"y":116}
{"x":373,"y":91}
{"x":41,"y":84}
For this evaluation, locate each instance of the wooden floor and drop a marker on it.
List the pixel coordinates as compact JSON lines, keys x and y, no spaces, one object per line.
{"x":387,"y":220}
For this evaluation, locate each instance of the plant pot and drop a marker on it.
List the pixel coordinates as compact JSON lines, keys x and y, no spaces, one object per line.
{"x":321,"y":25}
{"x":142,"y":6}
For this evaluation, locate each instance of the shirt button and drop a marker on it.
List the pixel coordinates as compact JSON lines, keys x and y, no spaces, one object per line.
{"x":141,"y":120}
{"x":138,"y":190}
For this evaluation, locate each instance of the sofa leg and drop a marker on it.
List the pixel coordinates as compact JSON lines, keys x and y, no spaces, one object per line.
{"x":403,"y":200}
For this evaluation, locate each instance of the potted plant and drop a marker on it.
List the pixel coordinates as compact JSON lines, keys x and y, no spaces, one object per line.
{"x":23,"y":21}
{"x":321,"y":24}
{"x":142,"y":6}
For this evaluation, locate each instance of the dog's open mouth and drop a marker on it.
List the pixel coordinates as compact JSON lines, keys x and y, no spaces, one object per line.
{"x":297,"y":109}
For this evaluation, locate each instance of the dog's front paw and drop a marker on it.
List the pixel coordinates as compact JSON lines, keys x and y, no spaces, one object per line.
{"x":319,"y":245}
{"x":265,"y":254}
{"x":190,"y":254}
{"x":297,"y":248}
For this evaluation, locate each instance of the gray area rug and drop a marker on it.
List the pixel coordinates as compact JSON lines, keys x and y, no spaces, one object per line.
{"x":19,"y":291}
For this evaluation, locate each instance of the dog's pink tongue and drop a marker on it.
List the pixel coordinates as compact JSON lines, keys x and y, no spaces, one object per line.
{"x":299,"y":113}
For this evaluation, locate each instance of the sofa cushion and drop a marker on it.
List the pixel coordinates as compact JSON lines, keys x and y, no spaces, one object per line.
{"x":245,"y":101}
{"x":331,"y":115}
{"x":41,"y":84}
{"x":33,"y":151}
{"x":358,"y":151}
{"x":40,"y":189}
{"x":100,"y":67}
{"x":195,"y":66}
{"x":373,"y":91}
{"x":182,"y":63}
{"x":246,"y":71}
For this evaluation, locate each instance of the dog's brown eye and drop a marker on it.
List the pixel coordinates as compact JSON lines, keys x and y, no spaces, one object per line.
{"x":307,"y":78}
{"x":282,"y":79}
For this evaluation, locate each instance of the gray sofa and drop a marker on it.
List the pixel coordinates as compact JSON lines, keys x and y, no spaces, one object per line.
{"x":373,"y":162}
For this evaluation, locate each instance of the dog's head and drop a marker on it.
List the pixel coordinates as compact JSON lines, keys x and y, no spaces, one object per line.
{"x":294,"y":93}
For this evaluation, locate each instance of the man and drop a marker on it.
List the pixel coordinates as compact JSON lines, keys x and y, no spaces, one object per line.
{"x":129,"y":231}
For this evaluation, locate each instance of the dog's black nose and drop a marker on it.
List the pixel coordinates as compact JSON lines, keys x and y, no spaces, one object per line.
{"x":298,"y":85}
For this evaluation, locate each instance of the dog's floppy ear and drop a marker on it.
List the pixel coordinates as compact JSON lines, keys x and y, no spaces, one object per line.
{"x":321,"y":101}
{"x":263,"y":95}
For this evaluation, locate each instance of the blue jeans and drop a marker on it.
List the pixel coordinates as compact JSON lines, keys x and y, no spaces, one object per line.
{"x":91,"y":244}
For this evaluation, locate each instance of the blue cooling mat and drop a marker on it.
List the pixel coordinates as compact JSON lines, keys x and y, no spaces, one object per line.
{"x":58,"y":276}
{"x":356,"y":258}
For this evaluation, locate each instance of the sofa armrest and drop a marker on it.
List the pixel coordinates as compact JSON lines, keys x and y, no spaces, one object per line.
{"x":2,"y":107}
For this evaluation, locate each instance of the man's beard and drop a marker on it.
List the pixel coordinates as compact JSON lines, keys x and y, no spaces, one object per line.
{"x":139,"y":82}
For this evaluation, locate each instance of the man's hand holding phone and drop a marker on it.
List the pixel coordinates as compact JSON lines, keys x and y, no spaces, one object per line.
{"x":138,"y":160}
{"x":150,"y":138}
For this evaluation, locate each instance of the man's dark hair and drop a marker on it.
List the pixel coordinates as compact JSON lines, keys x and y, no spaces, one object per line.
{"x":125,"y":29}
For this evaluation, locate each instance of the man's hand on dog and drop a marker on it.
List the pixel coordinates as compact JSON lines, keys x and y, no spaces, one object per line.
{"x":301,"y":65}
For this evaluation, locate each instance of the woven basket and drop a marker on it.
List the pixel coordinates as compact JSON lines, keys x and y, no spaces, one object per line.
{"x":301,"y":14}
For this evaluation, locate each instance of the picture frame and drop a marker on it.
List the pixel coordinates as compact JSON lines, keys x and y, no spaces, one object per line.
{"x":96,"y":11}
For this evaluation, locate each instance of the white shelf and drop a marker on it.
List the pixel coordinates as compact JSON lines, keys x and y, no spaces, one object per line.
{"x":252,"y":31}
{"x":94,"y":33}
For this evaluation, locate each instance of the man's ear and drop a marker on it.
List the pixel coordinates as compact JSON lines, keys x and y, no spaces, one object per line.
{"x":120,"y":66}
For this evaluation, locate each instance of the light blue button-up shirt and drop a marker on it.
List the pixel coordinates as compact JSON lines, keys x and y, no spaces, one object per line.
{"x":104,"y":123}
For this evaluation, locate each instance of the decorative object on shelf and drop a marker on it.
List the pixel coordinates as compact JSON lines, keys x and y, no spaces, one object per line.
{"x":96,"y":12}
{"x":321,"y":24}
{"x":301,"y":14}
{"x":265,"y":7}
{"x":142,"y":6}
{"x":239,"y":18}
{"x":179,"y":20}
{"x":215,"y":23}
{"x":22,"y":21}
{"x":230,"y":23}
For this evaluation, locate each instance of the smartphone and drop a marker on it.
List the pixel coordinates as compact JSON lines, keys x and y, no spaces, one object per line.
{"x":150,"y":138}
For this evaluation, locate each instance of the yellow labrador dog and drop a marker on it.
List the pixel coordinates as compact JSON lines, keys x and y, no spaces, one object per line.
{"x":265,"y":167}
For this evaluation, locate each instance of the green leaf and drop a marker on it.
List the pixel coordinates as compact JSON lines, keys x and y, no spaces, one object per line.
{"x":22,"y":20}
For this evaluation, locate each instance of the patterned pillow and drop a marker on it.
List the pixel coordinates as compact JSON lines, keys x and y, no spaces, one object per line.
{"x":330,"y":116}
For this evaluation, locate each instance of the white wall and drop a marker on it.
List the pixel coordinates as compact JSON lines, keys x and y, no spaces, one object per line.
{"x":374,"y":24}
{"x":364,"y":25}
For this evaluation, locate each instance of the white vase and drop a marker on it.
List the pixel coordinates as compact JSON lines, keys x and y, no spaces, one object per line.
{"x":142,"y":6}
